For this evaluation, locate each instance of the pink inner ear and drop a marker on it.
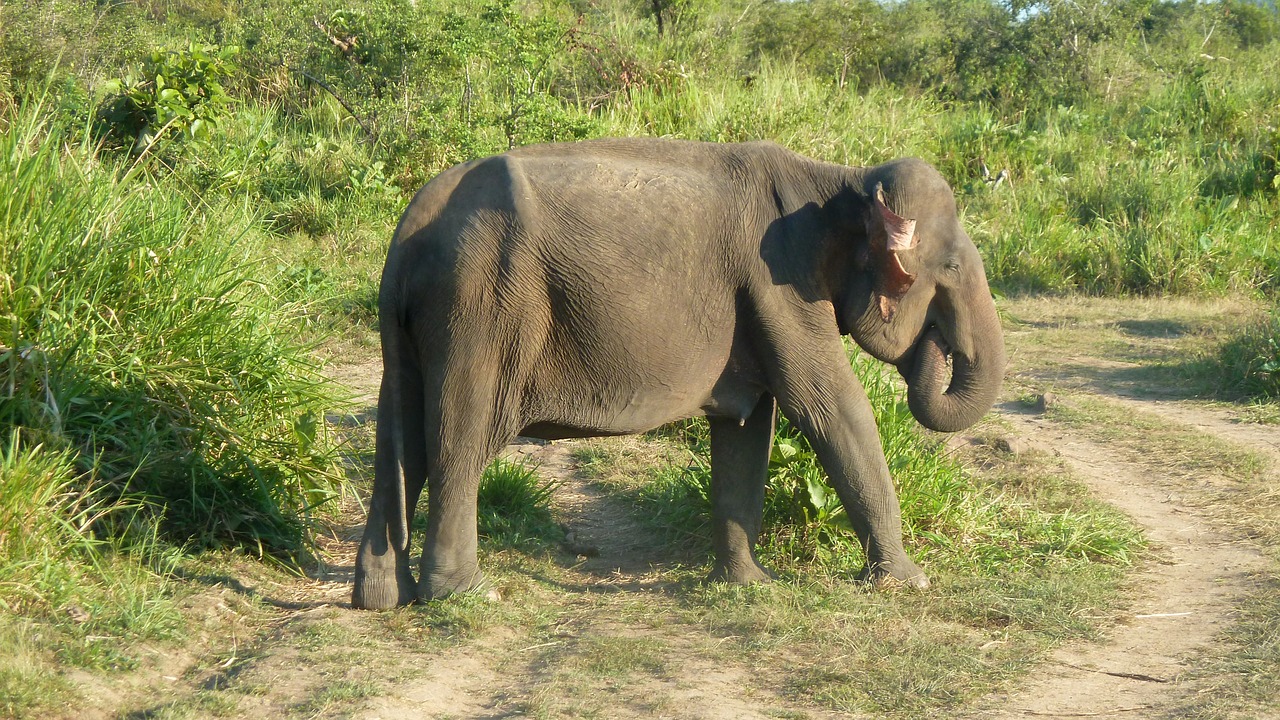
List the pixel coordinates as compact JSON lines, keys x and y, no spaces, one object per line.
{"x":901,"y":231}
{"x":902,"y":235}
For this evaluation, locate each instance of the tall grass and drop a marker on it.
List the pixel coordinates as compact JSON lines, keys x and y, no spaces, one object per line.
{"x":136,"y":336}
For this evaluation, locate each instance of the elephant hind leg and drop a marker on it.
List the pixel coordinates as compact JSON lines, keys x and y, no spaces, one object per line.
{"x":471,"y":418}
{"x":382,"y":577}
{"x":739,"y":471}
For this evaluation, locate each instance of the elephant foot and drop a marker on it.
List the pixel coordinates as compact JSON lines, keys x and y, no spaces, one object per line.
{"x":740,"y":573}
{"x":437,"y":585}
{"x":898,"y":574}
{"x":383,"y":591}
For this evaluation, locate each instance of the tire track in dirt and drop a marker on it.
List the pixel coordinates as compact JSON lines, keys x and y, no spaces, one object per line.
{"x":1184,"y":597}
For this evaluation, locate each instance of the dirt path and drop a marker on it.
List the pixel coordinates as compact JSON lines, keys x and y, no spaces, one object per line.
{"x":1220,"y":423}
{"x":1183,"y":599}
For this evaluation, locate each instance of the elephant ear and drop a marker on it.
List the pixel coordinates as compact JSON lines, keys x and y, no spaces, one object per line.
{"x":889,"y":234}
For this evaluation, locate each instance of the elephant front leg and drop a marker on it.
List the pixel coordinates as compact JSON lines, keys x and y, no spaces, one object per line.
{"x":825,"y":399}
{"x":739,"y":471}
{"x":850,"y":451}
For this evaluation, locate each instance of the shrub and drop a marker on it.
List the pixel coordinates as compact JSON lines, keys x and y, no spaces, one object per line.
{"x":178,"y":91}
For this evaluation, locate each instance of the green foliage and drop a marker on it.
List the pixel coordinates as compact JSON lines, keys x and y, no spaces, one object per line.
{"x":503,"y":64}
{"x":178,"y":91}
{"x":134,"y":335}
{"x":1139,"y":137}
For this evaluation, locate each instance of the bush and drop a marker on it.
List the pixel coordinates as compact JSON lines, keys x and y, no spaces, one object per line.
{"x":177,"y":91}
{"x":135,"y":335}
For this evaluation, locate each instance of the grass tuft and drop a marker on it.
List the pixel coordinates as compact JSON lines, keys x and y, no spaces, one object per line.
{"x":1249,"y":362}
{"x":514,"y":506}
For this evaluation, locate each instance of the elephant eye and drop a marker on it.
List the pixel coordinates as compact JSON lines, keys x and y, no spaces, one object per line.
{"x":952,"y":265}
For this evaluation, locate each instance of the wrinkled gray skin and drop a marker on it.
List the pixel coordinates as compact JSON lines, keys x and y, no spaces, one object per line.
{"x":608,"y":287}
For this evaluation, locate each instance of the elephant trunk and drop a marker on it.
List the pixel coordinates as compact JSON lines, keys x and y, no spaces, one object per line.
{"x":974,"y":382}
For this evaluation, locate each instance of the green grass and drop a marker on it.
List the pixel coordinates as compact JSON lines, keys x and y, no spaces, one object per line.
{"x":68,"y":596}
{"x":1215,"y":349}
{"x":154,"y":400}
{"x":514,"y":506}
{"x":336,"y":694}
{"x":618,"y":657}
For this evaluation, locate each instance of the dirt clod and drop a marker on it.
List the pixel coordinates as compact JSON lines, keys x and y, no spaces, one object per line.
{"x":1044,"y":401}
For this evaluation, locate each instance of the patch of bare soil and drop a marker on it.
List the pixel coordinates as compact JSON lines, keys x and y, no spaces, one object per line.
{"x":1182,"y":600}
{"x":461,"y":682}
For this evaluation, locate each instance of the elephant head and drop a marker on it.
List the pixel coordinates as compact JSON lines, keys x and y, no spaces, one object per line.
{"x":918,"y":294}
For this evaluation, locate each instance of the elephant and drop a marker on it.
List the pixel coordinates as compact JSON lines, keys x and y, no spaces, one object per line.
{"x":607,"y":287}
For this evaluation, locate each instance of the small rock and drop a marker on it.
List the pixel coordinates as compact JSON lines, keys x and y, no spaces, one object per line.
{"x":581,"y":549}
{"x":1044,"y":401}
{"x":1012,"y":445}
